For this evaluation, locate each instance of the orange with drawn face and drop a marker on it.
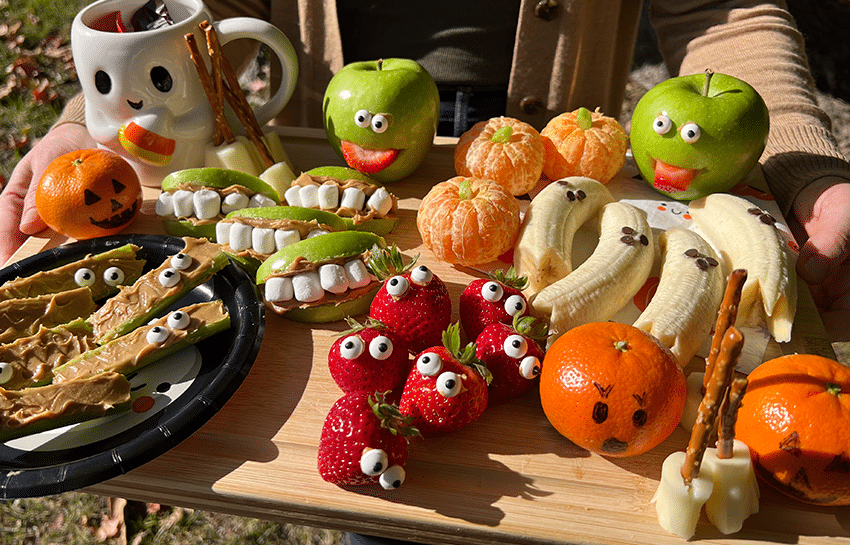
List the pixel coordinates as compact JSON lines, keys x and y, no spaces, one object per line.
{"x":612,"y":389}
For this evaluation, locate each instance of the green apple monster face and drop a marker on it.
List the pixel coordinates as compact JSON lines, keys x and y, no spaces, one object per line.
{"x":700,"y":134}
{"x":381,"y":116}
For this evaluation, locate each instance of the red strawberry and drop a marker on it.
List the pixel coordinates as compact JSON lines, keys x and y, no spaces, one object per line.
{"x":413,"y":301}
{"x":368,"y":357}
{"x":367,"y":160}
{"x":513,"y":356}
{"x":489,"y":300}
{"x":447,"y":387}
{"x":364,"y":440}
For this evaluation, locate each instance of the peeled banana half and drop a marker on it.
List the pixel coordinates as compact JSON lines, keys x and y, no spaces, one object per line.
{"x":608,"y":279}
{"x":747,"y":237}
{"x":690,"y":290}
{"x":543,"y":249}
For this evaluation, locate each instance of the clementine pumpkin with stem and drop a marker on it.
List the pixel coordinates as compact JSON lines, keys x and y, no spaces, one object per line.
{"x":612,"y":388}
{"x":584,"y":143}
{"x":88,"y":193}
{"x":504,"y":149}
{"x":795,"y":418}
{"x":468,"y":221}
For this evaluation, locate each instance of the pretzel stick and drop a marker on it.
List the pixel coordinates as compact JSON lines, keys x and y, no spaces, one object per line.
{"x":727,"y":358}
{"x":725,"y":318}
{"x":235,"y":96}
{"x":222,"y":131}
{"x":728,"y":417}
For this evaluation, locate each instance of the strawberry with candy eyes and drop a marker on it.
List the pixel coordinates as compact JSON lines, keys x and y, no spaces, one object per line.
{"x":368,"y":357}
{"x":490,"y":300}
{"x":513,"y":355}
{"x":446,"y":389}
{"x":413,"y":302}
{"x":363,"y":441}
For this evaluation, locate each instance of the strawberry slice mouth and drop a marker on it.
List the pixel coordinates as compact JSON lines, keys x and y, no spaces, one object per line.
{"x":146,"y":145}
{"x":672,"y":179}
{"x":367,"y":160}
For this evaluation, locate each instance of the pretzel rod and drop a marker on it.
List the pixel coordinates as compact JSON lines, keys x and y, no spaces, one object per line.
{"x":727,"y":358}
{"x":222,"y":131}
{"x":725,"y":317}
{"x":234,"y":95}
{"x":728,"y":417}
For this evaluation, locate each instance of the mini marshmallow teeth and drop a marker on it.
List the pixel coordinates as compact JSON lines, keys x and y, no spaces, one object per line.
{"x":684,"y":307}
{"x":544,"y":246}
{"x":747,"y":238}
{"x":610,"y":277}
{"x":206,"y":203}
{"x":347,"y":198}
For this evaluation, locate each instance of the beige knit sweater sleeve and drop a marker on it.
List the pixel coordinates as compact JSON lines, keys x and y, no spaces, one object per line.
{"x":759,"y":43}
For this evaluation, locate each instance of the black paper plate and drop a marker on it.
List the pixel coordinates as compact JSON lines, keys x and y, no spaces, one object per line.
{"x":172,"y":398}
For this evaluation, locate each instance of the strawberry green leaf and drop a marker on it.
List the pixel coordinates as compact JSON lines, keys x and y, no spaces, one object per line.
{"x":509,"y":278}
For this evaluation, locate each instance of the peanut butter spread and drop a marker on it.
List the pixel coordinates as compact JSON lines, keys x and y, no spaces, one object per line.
{"x":22,"y":317}
{"x":135,"y":349}
{"x":358,"y":216}
{"x":139,"y":298}
{"x":32,"y":359}
{"x":92,"y":396}
{"x":65,"y":278}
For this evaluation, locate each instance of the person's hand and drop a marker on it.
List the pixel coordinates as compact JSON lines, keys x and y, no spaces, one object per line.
{"x":18,"y":215}
{"x":823,"y":210}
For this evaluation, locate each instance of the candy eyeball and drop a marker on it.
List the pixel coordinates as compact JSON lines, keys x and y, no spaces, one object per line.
{"x":181,"y":261}
{"x":515,"y":346}
{"x":178,"y":320}
{"x":449,"y":384}
{"x":6,"y":372}
{"x":662,"y":123}
{"x":351,"y":347}
{"x":492,"y":291}
{"x":373,"y":462}
{"x":381,"y":347}
{"x":529,"y":367}
{"x":515,"y":305}
{"x":397,"y":286}
{"x":392,"y":478}
{"x":421,"y":275}
{"x":690,"y":132}
{"x":113,"y":276}
{"x":380,"y":123}
{"x":362,"y":118}
{"x":169,"y":277}
{"x":429,"y":364}
{"x":84,"y":277}
{"x":157,"y":334}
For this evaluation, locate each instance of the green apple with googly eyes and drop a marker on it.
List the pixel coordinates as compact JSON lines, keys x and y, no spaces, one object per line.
{"x":381,"y":116}
{"x":698,"y":134}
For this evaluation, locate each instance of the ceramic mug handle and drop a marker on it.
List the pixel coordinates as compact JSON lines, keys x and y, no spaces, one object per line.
{"x":235,"y":28}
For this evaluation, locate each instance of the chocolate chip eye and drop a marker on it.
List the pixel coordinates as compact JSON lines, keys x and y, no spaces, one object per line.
{"x":181,"y":261}
{"x":157,"y":334}
{"x":639,"y":418}
{"x":178,"y":320}
{"x":362,"y":118}
{"x":373,"y":462}
{"x":421,"y":275}
{"x":161,"y":79}
{"x":84,"y":277}
{"x":448,"y":384}
{"x":397,"y":286}
{"x":380,"y":123}
{"x":690,"y":132}
{"x":113,"y":276}
{"x":392,"y":478}
{"x":492,"y":291}
{"x":662,"y":124}
{"x":515,"y":346}
{"x":515,"y":304}
{"x":381,"y":347}
{"x":351,"y":347}
{"x":429,"y":364}
{"x":529,"y":367}
{"x":102,"y":82}
{"x":169,"y":277}
{"x":6,"y":372}
{"x":600,"y":412}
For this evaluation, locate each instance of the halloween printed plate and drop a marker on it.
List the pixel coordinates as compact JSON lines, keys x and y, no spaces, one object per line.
{"x":171,"y":398}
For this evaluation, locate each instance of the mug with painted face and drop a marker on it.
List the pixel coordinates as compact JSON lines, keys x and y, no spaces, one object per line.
{"x":143,"y":97}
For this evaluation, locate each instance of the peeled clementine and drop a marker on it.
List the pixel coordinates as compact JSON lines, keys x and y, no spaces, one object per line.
{"x":612,"y":388}
{"x":88,"y":193}
{"x":504,"y":149}
{"x":584,"y":143}
{"x":795,"y":418}
{"x":468,"y":221}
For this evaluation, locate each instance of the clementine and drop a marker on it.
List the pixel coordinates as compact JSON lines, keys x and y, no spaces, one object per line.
{"x":88,"y":193}
{"x":468,"y":221}
{"x":795,"y":418}
{"x":504,"y":149}
{"x":584,"y":143}
{"x":612,"y":388}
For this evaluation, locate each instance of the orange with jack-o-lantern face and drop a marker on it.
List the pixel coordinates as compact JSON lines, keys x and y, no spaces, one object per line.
{"x":612,"y":389}
{"x":88,"y":193}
